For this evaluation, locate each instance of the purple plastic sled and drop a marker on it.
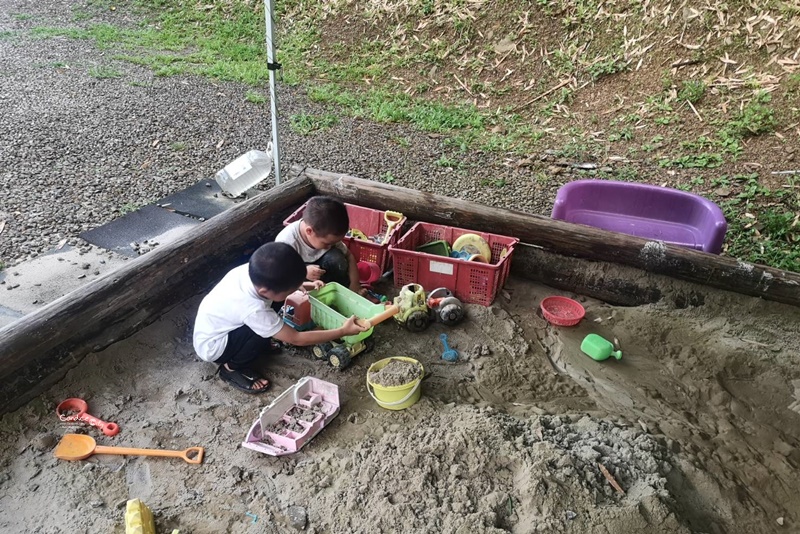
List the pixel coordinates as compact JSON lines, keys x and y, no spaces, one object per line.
{"x":642,"y":210}
{"x":296,"y":416}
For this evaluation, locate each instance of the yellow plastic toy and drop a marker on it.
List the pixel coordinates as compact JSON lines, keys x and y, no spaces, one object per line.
{"x":139,"y":518}
{"x":475,"y":245}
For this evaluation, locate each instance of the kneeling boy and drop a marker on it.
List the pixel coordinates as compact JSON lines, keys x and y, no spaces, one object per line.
{"x":235,"y":322}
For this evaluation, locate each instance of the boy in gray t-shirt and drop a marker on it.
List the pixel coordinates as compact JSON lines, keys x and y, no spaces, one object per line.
{"x":317,"y":237}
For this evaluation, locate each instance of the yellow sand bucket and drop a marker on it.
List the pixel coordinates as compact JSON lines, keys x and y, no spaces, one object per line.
{"x":395,"y":397}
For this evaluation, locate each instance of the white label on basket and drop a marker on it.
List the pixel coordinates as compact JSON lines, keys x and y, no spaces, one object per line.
{"x":441,"y":267}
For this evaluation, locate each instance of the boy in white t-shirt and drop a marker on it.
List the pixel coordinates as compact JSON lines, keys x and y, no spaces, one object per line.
{"x":235,"y":323}
{"x":317,"y":237}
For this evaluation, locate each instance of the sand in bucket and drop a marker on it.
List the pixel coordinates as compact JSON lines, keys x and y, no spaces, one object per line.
{"x":396,"y":382}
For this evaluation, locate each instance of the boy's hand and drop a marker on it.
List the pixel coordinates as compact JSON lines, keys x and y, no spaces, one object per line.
{"x":311,"y":286}
{"x":314,"y":272}
{"x":351,"y":328}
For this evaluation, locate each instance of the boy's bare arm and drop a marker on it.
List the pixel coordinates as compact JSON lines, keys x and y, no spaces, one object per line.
{"x":352,"y":269}
{"x":314,"y":337}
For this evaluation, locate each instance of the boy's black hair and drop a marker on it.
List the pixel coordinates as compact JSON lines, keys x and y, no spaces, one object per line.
{"x":277,"y":267}
{"x":326,"y":216}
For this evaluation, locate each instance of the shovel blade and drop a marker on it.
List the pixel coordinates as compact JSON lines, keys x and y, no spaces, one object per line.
{"x":75,"y":447}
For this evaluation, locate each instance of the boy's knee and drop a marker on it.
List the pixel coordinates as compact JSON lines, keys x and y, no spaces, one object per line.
{"x":336,"y":267}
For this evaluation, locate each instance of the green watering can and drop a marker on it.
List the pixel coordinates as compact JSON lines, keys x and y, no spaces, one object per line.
{"x":599,"y":348}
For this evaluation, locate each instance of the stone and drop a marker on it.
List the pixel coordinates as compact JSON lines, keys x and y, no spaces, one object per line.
{"x":297,"y":517}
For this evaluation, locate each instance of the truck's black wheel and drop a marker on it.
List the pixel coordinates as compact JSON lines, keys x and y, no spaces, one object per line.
{"x":322,"y":351}
{"x":339,"y":358}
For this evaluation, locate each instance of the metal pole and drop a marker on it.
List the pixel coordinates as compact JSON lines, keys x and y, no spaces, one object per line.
{"x":273,"y":66}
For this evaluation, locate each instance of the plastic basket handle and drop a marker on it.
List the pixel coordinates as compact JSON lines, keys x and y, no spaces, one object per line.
{"x":395,"y":403}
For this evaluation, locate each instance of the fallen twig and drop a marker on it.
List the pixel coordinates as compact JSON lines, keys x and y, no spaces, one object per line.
{"x":462,"y":85}
{"x":685,"y":62}
{"x":610,"y":478}
{"x":755,"y":342}
{"x":549,"y":91}
{"x":785,"y":172}
{"x":695,"y":111}
{"x":2,"y":226}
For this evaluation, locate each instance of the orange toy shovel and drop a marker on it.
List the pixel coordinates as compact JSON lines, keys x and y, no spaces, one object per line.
{"x":80,"y":447}
{"x":390,"y":311}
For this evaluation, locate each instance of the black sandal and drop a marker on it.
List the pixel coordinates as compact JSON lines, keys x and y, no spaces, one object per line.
{"x":243,"y":379}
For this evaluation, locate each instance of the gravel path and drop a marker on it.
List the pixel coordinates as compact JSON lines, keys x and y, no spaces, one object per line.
{"x":78,"y":150}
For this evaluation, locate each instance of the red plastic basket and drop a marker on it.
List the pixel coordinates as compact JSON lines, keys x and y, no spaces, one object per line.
{"x":370,"y":222}
{"x":470,"y":281}
{"x":562,"y":311}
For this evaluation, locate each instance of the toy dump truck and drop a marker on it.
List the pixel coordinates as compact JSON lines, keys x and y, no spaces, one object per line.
{"x":328,"y":308}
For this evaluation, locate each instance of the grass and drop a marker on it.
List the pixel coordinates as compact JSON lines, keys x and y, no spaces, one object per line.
{"x":305,"y":123}
{"x":102,"y":72}
{"x":255,"y":97}
{"x":763,"y":224}
{"x":692,"y":91}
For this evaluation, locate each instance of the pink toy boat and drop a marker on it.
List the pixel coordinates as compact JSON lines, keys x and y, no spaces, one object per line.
{"x":296,"y":416}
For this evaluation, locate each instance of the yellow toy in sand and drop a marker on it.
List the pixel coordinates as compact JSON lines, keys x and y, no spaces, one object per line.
{"x":139,"y":518}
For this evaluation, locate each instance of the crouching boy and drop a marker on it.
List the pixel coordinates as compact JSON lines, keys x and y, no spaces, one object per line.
{"x":236,"y":324}
{"x":317,"y":237}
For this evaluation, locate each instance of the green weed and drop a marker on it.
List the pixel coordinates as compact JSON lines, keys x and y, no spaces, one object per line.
{"x":388,"y":177}
{"x":756,"y":118}
{"x":607,"y":67}
{"x":178,"y":146}
{"x":449,"y":163}
{"x":692,"y":90}
{"x":22,"y":16}
{"x":402,"y":141}
{"x":497,"y":182}
{"x":704,"y":160}
{"x":255,"y":97}
{"x":102,"y":72}
{"x":624,"y":134}
{"x":304,"y":123}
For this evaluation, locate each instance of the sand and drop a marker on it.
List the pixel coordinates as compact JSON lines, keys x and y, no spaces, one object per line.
{"x":698,"y":424}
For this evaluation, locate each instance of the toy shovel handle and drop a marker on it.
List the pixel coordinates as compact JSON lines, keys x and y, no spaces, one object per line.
{"x":192,"y":455}
{"x":390,"y":311}
{"x":391,"y":218}
{"x":109,"y":429}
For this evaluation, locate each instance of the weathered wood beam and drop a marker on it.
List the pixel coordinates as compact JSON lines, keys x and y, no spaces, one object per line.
{"x":37,"y":349}
{"x":566,"y":238}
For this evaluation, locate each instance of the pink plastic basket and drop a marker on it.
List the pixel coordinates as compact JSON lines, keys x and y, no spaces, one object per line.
{"x":562,"y":311}
{"x":370,"y":222}
{"x":471,"y":282}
